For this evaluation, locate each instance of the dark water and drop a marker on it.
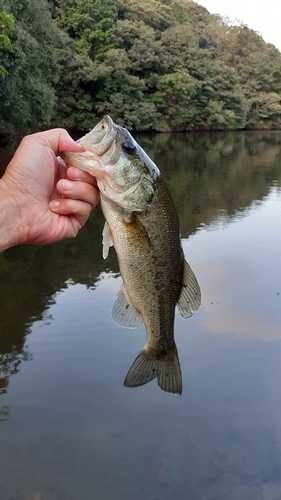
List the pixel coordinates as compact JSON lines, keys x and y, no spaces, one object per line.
{"x":69,"y":429}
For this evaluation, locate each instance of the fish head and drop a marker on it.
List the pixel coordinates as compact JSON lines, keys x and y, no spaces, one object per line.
{"x":125,"y":174}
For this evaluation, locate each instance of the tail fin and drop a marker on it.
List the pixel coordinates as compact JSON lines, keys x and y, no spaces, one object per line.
{"x":148,"y":366}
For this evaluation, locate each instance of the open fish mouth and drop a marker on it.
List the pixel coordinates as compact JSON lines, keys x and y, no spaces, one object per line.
{"x":100,"y":139}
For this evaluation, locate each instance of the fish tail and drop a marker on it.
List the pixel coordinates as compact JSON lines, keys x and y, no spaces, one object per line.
{"x":149,"y":365}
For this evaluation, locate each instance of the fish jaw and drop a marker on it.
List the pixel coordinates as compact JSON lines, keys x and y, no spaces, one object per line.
{"x":99,"y":150}
{"x":99,"y":140}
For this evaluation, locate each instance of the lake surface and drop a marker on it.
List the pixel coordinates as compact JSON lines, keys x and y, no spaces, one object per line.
{"x":69,"y":429}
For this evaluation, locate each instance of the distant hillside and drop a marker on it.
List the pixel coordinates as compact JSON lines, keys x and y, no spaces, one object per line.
{"x":164,"y":65}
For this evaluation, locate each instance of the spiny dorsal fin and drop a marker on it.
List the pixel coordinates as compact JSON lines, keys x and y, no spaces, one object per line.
{"x":123,"y":312}
{"x":190,"y":295}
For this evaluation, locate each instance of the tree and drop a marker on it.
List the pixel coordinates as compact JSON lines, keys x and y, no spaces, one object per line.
{"x":138,"y":39}
{"x":6,"y":28}
{"x":152,"y":64}
{"x":173,"y":100}
{"x":152,"y":13}
{"x":122,"y":94}
{"x":28,"y":92}
{"x":88,"y":23}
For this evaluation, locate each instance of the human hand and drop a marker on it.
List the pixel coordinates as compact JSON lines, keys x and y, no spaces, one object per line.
{"x":43,"y":201}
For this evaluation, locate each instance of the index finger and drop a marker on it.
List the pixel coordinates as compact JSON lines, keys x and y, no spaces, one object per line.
{"x":75,"y":174}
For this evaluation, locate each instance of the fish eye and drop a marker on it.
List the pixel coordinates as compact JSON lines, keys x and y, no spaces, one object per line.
{"x":129,"y":147}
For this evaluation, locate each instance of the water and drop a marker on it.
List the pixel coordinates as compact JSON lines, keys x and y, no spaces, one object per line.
{"x":69,"y":429}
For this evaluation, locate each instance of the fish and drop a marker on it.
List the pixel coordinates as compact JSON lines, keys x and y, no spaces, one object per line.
{"x":142,"y":224}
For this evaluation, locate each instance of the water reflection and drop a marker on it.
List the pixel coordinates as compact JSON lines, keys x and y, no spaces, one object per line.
{"x":217,"y":173}
{"x":74,"y":431}
{"x":30,"y":278}
{"x":213,"y":178}
{"x":240,"y":272}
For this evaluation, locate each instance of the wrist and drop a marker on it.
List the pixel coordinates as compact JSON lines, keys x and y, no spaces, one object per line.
{"x":10,"y":227}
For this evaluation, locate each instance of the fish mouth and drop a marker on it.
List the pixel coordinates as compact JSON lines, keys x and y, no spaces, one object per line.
{"x":100,"y":139}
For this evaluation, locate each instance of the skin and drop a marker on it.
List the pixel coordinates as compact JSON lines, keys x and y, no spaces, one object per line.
{"x":41,"y":200}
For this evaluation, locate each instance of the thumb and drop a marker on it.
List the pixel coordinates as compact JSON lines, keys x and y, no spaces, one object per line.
{"x":58,"y":139}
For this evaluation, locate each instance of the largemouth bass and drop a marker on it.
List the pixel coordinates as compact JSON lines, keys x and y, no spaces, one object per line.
{"x":142,"y":224}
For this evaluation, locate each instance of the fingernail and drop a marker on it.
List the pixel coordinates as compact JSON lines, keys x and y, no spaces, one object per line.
{"x":54,"y":204}
{"x":77,"y":174}
{"x":67,"y":185}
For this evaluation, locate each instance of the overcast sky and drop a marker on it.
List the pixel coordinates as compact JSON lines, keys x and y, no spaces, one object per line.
{"x":262,"y":16}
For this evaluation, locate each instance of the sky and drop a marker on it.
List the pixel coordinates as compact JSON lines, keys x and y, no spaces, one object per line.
{"x":263,"y":16}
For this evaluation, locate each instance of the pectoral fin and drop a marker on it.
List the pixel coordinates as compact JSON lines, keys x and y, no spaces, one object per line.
{"x":140,"y":235}
{"x":106,"y":240}
{"x":123,"y":312}
{"x":190,"y":295}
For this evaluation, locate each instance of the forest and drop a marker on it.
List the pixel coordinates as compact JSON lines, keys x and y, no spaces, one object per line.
{"x":152,"y":65}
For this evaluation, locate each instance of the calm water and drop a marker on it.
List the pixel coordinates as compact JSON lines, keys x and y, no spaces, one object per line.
{"x":69,"y":429}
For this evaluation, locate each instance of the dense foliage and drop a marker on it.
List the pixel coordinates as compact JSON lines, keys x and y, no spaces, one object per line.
{"x":151,"y":64}
{"x":6,"y":27}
